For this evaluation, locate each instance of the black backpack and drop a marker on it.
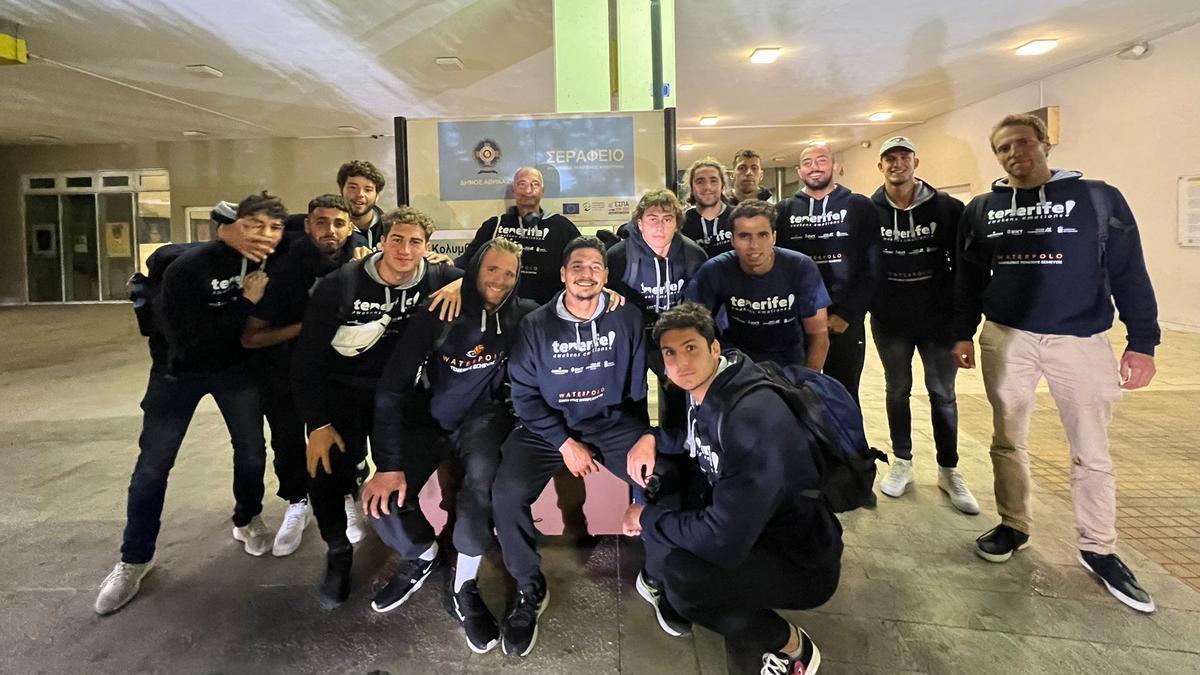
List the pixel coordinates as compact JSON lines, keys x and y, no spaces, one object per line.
{"x":821,"y":405}
{"x":145,"y":290}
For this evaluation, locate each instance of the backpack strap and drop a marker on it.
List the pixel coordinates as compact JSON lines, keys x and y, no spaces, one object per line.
{"x":1104,"y":217}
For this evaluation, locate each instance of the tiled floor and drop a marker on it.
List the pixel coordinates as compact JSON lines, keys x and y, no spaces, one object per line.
{"x":913,"y":597}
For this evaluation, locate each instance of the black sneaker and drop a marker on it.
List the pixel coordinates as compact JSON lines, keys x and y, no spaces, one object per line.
{"x":520,"y":629}
{"x":778,"y":663}
{"x":999,"y":543}
{"x":469,"y":609}
{"x":408,"y":579}
{"x":335,"y":586}
{"x":1117,"y":579}
{"x":671,"y":622}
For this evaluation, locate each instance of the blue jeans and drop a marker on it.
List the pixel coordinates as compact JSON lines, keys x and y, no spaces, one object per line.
{"x":168,"y":407}
{"x":896,"y":353}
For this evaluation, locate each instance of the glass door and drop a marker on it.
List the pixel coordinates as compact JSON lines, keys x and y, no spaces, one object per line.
{"x":81,"y":264}
{"x":43,"y":254}
{"x":116,"y":244}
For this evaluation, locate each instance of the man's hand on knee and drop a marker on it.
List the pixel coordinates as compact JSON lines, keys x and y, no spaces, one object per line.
{"x":377,"y":491}
{"x":578,"y":458}
{"x":319,"y":443}
{"x":639,"y":463}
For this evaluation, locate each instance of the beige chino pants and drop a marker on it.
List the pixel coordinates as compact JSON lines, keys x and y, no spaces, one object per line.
{"x":1085,"y":383}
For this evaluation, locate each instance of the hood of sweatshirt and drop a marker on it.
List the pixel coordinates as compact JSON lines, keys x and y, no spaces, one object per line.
{"x":836,"y":202}
{"x":1056,"y":175}
{"x":922,"y":194}
{"x":505,"y":317}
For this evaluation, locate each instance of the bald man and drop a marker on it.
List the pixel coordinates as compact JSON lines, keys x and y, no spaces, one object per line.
{"x":542,"y":236}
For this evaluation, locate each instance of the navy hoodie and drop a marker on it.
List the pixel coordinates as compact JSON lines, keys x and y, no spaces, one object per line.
{"x":841,"y":234}
{"x":203,"y":309}
{"x":652,"y":283}
{"x":543,"y":236}
{"x":758,"y":476}
{"x":765,"y":312}
{"x":572,"y":376}
{"x":917,"y":248}
{"x":464,"y":363}
{"x":714,"y":236}
{"x":1031,"y":259}
{"x":315,"y":363}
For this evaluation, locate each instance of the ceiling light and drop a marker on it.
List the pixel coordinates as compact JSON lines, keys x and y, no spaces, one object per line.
{"x":194,"y":133}
{"x":686,"y":147}
{"x":347,"y":129}
{"x":881,"y":116}
{"x":708,"y":121}
{"x":1134,"y":51}
{"x":449,"y":63}
{"x":778,"y":159}
{"x":1036,"y":47}
{"x":764,"y":55}
{"x":44,"y":138}
{"x":203,"y":70}
{"x":865,"y":144}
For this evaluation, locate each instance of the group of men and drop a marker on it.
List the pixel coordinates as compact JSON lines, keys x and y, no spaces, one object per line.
{"x":530,"y":353}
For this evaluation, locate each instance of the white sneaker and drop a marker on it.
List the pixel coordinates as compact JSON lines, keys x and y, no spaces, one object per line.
{"x":898,"y":477}
{"x":291,"y":530}
{"x":952,"y":483}
{"x":255,"y":535}
{"x":354,"y":528}
{"x":120,"y":586}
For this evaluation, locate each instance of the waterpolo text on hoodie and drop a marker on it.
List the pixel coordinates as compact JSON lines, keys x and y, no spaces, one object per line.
{"x":659,"y":282}
{"x":570,"y":375}
{"x":1030,"y":259}
{"x":464,"y":362}
{"x":542,"y":236}
{"x":203,"y":309}
{"x":758,"y":479}
{"x":315,"y":364}
{"x":765,"y":312}
{"x":714,"y":236}
{"x":840,"y":232}
{"x":915,"y":297}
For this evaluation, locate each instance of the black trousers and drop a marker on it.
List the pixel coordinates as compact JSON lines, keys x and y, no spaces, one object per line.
{"x":167,"y":408}
{"x":847,"y":353}
{"x":476,"y":447}
{"x":526,"y":465}
{"x":352,"y":414}
{"x":739,"y":602}
{"x":287,"y":429}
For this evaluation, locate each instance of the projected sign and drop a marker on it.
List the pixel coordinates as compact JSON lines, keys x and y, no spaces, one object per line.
{"x":578,"y":158}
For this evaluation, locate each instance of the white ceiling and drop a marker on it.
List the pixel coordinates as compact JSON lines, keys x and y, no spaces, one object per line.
{"x":112,"y":70}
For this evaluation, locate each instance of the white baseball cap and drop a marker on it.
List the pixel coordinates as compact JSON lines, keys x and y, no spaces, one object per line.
{"x":897,"y":142}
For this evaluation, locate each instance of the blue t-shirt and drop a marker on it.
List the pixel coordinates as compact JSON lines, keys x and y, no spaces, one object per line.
{"x":765,"y":312}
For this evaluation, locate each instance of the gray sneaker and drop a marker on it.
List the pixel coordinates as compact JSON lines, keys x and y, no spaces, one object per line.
{"x":898,"y":477}
{"x":255,"y":535}
{"x":291,"y":530}
{"x":120,"y":586}
{"x":952,"y":483}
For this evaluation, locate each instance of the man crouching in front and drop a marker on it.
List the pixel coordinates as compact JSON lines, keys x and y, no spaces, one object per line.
{"x":756,"y":542}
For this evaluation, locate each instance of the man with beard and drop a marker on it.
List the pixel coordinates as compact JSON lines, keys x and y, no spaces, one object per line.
{"x":747,"y":178}
{"x":272,"y":329}
{"x":839,"y":230}
{"x":360,"y":183}
{"x":706,"y":220}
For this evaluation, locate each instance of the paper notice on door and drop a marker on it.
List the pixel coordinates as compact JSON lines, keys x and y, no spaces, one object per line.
{"x":116,"y":240}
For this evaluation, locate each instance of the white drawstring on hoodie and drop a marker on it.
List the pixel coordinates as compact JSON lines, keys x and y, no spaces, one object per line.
{"x":659,"y":303}
{"x":1041,"y":196}
{"x":824,"y":205}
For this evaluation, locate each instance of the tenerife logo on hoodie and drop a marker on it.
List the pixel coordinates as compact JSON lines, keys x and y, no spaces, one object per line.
{"x":522,"y":232}
{"x":910,"y":234}
{"x":1040,"y":211}
{"x":581,"y":347}
{"x":819,"y":219}
{"x":671,"y":290}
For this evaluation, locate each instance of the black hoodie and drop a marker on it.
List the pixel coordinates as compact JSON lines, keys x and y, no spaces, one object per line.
{"x":1032,"y":259}
{"x":841,"y":234}
{"x":758,"y":478}
{"x":714,"y":236}
{"x":316,"y":364}
{"x":763,"y":195}
{"x":917,"y":246}
{"x":654,"y":284}
{"x":465,"y":365}
{"x":542,"y":235}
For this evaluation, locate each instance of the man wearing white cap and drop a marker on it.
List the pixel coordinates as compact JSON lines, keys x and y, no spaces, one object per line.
{"x":913,"y":310}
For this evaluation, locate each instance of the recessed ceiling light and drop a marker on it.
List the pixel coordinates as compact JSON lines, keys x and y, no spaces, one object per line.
{"x":347,"y":129}
{"x":708,"y":121}
{"x":194,"y":133}
{"x":1036,"y":47}
{"x":1134,"y":51}
{"x":881,"y":116}
{"x":778,"y":159}
{"x":686,"y":147}
{"x":449,"y":63}
{"x":44,"y":138}
{"x":203,"y":70}
{"x":764,"y":55}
